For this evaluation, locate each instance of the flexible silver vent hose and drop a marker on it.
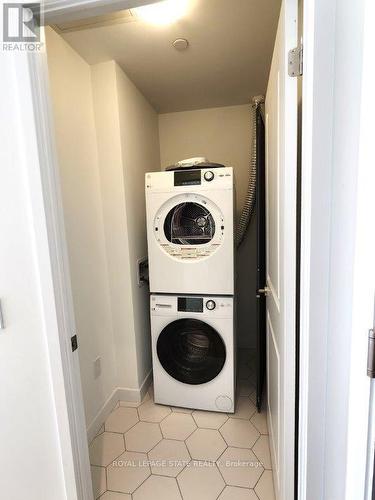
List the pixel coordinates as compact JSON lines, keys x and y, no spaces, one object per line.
{"x":249,"y":205}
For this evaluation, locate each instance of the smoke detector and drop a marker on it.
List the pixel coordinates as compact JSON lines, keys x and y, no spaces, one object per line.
{"x":180,"y":44}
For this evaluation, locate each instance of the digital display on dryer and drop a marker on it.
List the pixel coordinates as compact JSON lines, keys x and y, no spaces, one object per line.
{"x":189,"y":304}
{"x":189,"y":178}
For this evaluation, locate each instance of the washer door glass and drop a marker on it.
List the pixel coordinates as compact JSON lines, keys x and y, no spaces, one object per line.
{"x":189,"y":223}
{"x":191,"y":351}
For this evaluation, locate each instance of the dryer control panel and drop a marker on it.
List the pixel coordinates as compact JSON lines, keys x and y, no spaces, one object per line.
{"x":183,"y":180}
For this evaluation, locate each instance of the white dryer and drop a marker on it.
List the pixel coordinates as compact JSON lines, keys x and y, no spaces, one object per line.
{"x":190,"y":221}
{"x":193,"y":351}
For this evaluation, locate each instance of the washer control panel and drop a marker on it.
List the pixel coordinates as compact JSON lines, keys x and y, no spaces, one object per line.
{"x":192,"y":306}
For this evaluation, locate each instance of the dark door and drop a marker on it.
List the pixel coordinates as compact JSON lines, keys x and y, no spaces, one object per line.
{"x":261,"y":257}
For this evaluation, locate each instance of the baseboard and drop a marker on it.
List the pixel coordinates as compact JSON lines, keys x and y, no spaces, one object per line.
{"x":119,"y":394}
{"x":146,"y":384}
{"x":100,"y":417}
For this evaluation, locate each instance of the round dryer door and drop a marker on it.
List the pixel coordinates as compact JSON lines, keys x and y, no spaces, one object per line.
{"x":189,"y":223}
{"x":191,"y":351}
{"x":189,"y":226}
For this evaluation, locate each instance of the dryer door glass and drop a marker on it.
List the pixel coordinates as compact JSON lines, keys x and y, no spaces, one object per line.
{"x":191,"y":351}
{"x":189,"y":223}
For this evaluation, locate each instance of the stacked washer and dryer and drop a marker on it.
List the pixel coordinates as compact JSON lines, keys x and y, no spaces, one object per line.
{"x":190,"y":232}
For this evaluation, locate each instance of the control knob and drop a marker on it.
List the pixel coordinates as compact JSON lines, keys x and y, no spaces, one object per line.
{"x":210,"y":304}
{"x":209,"y":176}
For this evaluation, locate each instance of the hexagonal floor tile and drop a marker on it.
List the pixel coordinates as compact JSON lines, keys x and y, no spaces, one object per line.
{"x":209,"y":419}
{"x":98,"y":480}
{"x":135,"y":404}
{"x":260,"y":422}
{"x":262,"y":450}
{"x":169,"y":457}
{"x":105,"y":448}
{"x":206,"y":444}
{"x":121,"y":419}
{"x":253,"y":396}
{"x":158,"y":487}
{"x":177,"y":409}
{"x":200,"y":482}
{"x":240,"y":467}
{"x":245,"y":408}
{"x":142,"y":437}
{"x":234,"y":493}
{"x":264,"y":488}
{"x":113,"y":495}
{"x":151,"y":412}
{"x":128,"y":472}
{"x":240,"y":433}
{"x":178,"y":426}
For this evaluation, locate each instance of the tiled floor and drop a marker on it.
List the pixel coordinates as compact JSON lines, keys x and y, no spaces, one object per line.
{"x":148,"y":451}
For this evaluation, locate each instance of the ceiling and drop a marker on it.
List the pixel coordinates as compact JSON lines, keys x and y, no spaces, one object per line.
{"x":227,"y":62}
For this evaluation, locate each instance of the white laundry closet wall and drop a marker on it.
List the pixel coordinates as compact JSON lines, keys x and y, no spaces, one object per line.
{"x":223,"y":135}
{"x":107,"y":138}
{"x":128,"y":145}
{"x":73,"y":113}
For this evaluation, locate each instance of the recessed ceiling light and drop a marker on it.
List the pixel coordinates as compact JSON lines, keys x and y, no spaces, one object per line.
{"x":180,"y":44}
{"x":161,"y":13}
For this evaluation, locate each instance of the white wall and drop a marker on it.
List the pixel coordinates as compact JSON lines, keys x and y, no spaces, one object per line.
{"x":223,"y":135}
{"x":128,"y":145}
{"x":139,"y":132}
{"x":33,"y":446}
{"x":70,"y":84}
{"x":114,"y":214}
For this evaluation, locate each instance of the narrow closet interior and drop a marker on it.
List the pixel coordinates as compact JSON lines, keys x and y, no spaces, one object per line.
{"x":133,"y":93}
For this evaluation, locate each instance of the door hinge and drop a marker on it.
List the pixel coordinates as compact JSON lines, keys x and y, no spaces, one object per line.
{"x":74,"y":342}
{"x":295,"y":61}
{"x":371,"y":354}
{"x":263,"y":291}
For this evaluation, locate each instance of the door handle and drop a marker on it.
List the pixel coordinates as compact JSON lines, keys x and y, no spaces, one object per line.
{"x":263,"y":291}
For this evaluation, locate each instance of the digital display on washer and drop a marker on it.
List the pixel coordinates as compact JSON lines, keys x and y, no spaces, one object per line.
{"x":189,"y":178}
{"x":190,"y":304}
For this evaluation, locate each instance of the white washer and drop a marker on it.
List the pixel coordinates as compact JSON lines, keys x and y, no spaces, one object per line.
{"x":190,"y":235}
{"x":193,"y":351}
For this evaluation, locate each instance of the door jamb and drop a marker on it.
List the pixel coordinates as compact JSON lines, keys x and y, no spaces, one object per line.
{"x":32,"y":72}
{"x":319,"y":101}
{"x":64,"y":10}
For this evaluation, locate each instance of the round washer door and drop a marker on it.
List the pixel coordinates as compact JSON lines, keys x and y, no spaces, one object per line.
{"x":191,"y":351}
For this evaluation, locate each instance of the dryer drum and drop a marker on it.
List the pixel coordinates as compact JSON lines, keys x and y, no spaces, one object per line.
{"x":191,"y":351}
{"x":189,"y":224}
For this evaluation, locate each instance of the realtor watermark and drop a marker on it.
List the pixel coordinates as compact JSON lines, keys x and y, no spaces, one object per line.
{"x":22,"y":27}
{"x":221,"y":463}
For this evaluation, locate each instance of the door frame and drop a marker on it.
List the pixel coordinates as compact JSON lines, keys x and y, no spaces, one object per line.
{"x":47,"y":215}
{"x":318,"y":86}
{"x":337,"y":287}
